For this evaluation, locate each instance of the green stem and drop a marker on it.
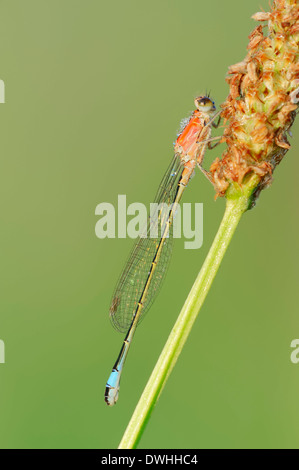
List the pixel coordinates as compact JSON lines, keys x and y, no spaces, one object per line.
{"x":237,"y":203}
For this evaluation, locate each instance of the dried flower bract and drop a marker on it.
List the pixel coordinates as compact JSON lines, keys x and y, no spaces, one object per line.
{"x":263,"y":99}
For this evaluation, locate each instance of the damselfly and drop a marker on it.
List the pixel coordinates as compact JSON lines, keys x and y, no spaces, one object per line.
{"x":146,"y":266}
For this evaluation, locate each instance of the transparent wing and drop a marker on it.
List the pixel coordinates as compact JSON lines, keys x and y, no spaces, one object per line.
{"x":134,"y":277}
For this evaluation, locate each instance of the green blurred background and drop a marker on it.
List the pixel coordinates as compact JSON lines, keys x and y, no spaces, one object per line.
{"x":95,"y":92}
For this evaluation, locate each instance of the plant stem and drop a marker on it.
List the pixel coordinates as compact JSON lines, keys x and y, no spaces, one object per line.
{"x":237,"y":203}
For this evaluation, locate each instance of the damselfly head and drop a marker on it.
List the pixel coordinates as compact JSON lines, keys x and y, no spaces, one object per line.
{"x":205,"y":104}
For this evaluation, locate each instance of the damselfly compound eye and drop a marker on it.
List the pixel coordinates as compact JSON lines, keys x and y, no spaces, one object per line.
{"x":204,"y":103}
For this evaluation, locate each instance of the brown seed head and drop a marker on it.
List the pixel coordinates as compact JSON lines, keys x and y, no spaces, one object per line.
{"x":263,"y":99}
